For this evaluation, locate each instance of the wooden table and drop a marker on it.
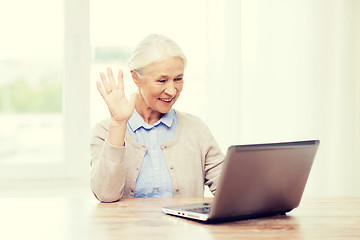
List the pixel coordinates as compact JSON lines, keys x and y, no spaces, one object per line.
{"x":85,"y":218}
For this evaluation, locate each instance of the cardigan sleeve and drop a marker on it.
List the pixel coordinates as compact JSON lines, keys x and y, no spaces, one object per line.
{"x":213,"y":161}
{"x":107,"y":177}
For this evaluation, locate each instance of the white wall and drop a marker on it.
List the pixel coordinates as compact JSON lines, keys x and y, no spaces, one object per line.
{"x":288,"y":72}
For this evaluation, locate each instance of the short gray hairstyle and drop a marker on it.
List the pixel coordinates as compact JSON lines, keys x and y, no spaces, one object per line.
{"x":154,"y":48}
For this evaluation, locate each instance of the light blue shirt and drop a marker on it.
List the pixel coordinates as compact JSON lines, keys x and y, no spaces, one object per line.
{"x":154,"y":178}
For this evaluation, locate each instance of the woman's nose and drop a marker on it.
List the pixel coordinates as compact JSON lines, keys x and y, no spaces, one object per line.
{"x":170,"y":89}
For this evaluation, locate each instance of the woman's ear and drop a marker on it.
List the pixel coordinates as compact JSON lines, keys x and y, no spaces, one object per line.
{"x":135,"y":76}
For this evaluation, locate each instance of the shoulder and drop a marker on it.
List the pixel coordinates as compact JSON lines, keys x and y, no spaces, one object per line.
{"x":188,"y":118}
{"x":191,"y":122}
{"x":195,"y":133}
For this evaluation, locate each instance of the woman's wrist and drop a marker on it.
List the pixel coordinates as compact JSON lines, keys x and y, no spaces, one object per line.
{"x":116,"y":134}
{"x":116,"y":123}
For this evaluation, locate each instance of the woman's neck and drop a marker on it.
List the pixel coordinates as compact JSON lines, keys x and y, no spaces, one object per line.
{"x":149,"y":115}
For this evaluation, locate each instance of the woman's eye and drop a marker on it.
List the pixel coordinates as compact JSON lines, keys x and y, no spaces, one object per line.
{"x":162,"y":80}
{"x":178,"y":79}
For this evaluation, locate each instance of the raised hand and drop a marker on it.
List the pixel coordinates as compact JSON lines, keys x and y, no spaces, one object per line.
{"x":113,"y":94}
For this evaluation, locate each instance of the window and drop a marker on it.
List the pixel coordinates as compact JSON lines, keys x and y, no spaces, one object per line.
{"x":44,"y":99}
{"x":31,"y":65}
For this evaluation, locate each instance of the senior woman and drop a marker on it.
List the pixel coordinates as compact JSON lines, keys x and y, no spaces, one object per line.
{"x":146,"y":148}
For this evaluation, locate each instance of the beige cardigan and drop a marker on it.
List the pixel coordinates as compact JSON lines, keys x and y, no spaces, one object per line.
{"x":193,"y":158}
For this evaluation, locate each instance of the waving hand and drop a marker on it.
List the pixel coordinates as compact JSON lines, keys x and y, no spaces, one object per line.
{"x":113,"y":94}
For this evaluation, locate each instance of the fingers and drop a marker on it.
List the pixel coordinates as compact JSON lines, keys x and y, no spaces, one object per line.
{"x":109,"y":84}
{"x":105,"y":82}
{"x":111,"y":79}
{"x":100,"y":89}
{"x":120,"y":80}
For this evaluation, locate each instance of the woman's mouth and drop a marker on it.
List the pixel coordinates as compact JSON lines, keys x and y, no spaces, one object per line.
{"x":166,"y":100}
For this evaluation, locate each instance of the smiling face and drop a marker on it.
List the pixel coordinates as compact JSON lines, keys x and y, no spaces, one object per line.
{"x":160,"y":85}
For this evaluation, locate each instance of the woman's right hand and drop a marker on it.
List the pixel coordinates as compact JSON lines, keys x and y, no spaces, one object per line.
{"x":113,"y":94}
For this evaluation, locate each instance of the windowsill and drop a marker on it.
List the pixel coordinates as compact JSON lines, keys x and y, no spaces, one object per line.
{"x":45,"y":188}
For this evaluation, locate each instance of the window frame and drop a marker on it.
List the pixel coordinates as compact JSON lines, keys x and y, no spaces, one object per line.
{"x":75,"y":102}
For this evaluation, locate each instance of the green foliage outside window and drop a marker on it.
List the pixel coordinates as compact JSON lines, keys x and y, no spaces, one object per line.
{"x":20,"y":96}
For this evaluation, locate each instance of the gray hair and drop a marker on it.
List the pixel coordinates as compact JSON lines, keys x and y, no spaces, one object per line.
{"x":154,"y":48}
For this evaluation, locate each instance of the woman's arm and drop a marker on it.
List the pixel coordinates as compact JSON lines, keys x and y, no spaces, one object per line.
{"x":119,"y":107}
{"x":108,"y":142}
{"x":213,"y":164}
{"x":107,"y":166}
{"x":212,"y":156}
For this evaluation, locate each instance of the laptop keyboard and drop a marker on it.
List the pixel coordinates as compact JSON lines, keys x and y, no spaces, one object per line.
{"x":204,"y":210}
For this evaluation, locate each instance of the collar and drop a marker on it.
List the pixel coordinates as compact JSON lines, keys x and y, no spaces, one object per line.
{"x":135,"y":122}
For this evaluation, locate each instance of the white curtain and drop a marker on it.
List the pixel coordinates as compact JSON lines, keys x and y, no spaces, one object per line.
{"x":289,"y":70}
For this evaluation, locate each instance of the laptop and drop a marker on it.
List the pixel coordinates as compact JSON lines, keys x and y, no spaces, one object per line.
{"x":257,"y":180}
